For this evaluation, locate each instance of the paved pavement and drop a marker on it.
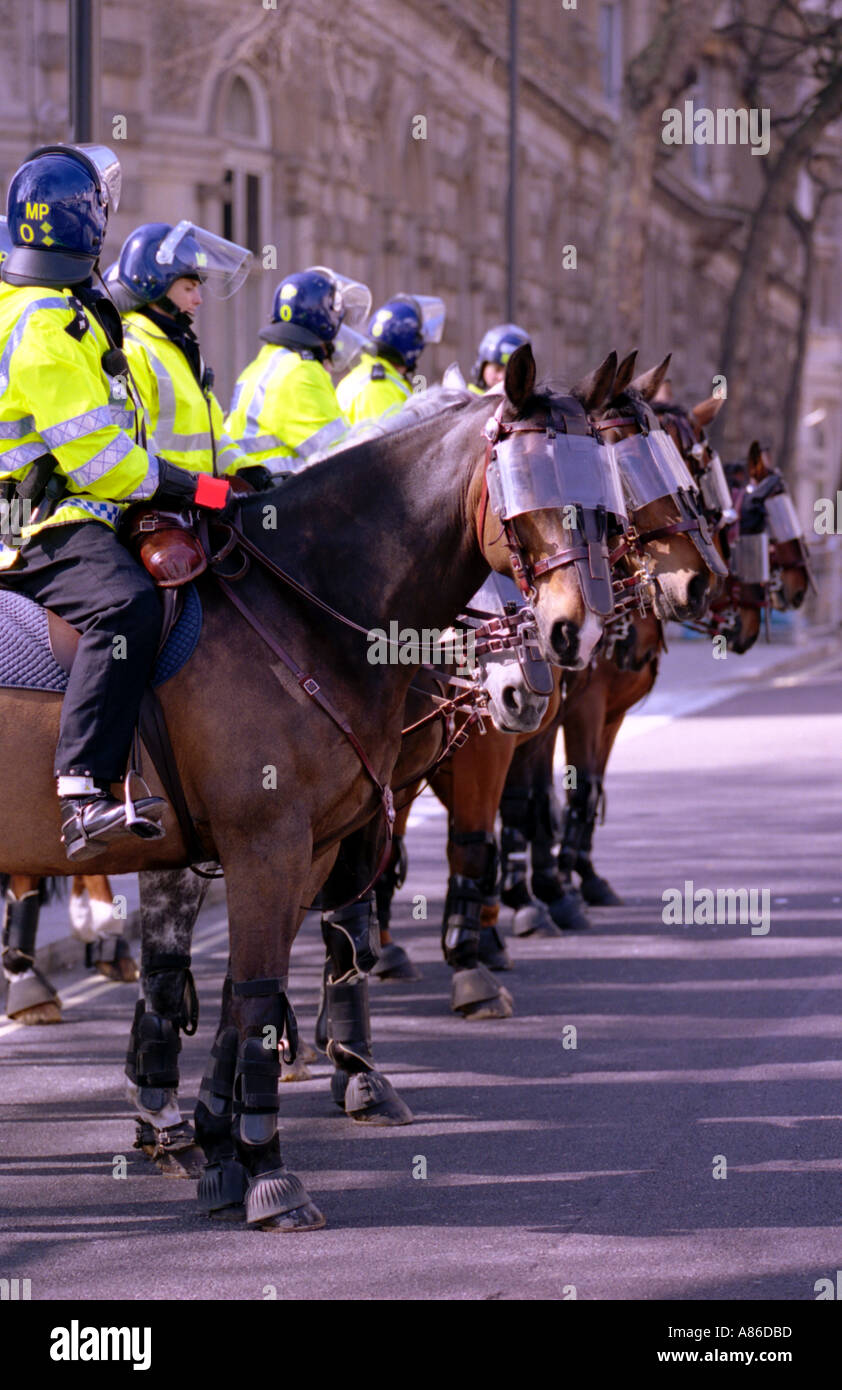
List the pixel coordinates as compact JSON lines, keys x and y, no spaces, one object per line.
{"x":549,"y":1169}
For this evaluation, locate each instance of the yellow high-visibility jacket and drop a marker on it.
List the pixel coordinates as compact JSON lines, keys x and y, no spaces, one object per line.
{"x":184,"y":423}
{"x":284,"y":409}
{"x":56,"y":397}
{"x":373,"y":388}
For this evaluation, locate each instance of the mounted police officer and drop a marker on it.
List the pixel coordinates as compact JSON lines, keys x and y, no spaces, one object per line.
{"x":62,"y":454}
{"x":493,"y":353}
{"x":284,"y":408}
{"x":398,"y":334}
{"x":158,"y":284}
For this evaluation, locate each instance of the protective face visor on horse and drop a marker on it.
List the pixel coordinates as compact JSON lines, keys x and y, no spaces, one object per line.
{"x":565,"y":468}
{"x":750,"y":559}
{"x":651,"y":468}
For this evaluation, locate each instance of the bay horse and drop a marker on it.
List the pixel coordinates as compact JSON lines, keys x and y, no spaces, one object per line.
{"x":273,"y":786}
{"x":471,"y":782}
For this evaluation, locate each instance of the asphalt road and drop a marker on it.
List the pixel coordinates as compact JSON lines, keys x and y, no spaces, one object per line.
{"x":548,"y":1169}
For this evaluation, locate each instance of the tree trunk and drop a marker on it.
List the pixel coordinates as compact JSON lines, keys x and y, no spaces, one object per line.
{"x":792,"y":399}
{"x":743,"y":310}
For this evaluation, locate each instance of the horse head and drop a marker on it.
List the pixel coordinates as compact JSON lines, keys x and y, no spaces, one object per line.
{"x":665,"y":505}
{"x":547,"y":501}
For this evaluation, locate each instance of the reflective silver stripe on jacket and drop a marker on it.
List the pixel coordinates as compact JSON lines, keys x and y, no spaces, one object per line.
{"x":165,"y":436}
{"x":324,"y":437}
{"x":102,"y":462}
{"x":54,"y":302}
{"x":77,"y":427}
{"x":258,"y":400}
{"x":16,"y":429}
{"x":13,"y":459}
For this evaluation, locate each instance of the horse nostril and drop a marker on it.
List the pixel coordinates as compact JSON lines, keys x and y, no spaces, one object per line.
{"x":512,"y":700}
{"x":697,"y":591}
{"x":564,"y":640}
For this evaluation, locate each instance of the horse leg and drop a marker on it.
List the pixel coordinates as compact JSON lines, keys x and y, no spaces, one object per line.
{"x":597,"y":891}
{"x":352,"y":946}
{"x":169,"y":905}
{"x":257,"y":1028}
{"x":394,"y":963}
{"x":31,"y":998}
{"x":517,"y":820}
{"x":94,"y":922}
{"x":563,"y":901}
{"x":471,"y":789}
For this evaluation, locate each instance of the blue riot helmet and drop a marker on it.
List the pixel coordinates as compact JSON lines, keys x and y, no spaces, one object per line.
{"x":57,"y":206}
{"x":123,"y":299}
{"x":320,"y":311}
{"x":156,"y":255}
{"x":403,"y":326}
{"x":497,"y":346}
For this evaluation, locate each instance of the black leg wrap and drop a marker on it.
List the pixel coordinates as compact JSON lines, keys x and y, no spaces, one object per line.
{"x":20,"y":928}
{"x":461,"y":928}
{"x":348,"y":1042}
{"x":582,"y":803}
{"x":255,"y":1102}
{"x":514,"y":845}
{"x":352,"y":938}
{"x":152,"y":1057}
{"x":107,"y":950}
{"x":391,"y":879}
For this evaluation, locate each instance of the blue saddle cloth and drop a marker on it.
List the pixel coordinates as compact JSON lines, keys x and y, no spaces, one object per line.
{"x":27,"y":662}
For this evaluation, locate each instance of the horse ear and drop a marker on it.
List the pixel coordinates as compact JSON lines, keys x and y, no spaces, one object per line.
{"x":519,"y":382}
{"x":707,"y":410}
{"x":597,"y":387}
{"x":753,"y":451}
{"x":625,"y":372}
{"x":649,"y":383}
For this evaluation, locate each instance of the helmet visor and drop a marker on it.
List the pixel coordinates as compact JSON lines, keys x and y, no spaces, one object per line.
{"x":351,"y":299}
{"x":433,"y":314}
{"x":108,"y":168}
{"x":221,"y":264}
{"x":346,"y":345}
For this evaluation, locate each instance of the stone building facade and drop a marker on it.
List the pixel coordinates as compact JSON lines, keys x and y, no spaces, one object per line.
{"x":294,"y":127}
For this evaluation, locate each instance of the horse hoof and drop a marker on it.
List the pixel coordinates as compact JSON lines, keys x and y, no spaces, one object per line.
{"x":49,"y":1012}
{"x":222,"y":1189}
{"x":568,"y":912}
{"x":476,"y":994}
{"x":371,"y":1099}
{"x":122,"y":972}
{"x":181,"y":1163}
{"x":492,"y":950}
{"x":598,"y":892}
{"x":297,"y":1070}
{"x":501,"y":1007}
{"x":306,"y":1218}
{"x":279,"y":1201}
{"x":534,"y":920}
{"x":394,"y":964}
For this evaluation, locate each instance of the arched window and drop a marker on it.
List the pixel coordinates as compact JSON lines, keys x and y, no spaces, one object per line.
{"x":243,"y":207}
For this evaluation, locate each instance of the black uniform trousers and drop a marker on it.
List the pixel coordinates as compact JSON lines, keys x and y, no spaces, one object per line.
{"x":87,"y":576}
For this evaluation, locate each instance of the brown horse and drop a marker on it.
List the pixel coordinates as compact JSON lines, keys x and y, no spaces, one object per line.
{"x":273,"y":785}
{"x":471,"y":783}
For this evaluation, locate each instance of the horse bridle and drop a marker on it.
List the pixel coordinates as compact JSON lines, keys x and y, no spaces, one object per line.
{"x":524,"y":570}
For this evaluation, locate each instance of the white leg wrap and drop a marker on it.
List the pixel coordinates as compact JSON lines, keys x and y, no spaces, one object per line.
{"x":92,"y":919}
